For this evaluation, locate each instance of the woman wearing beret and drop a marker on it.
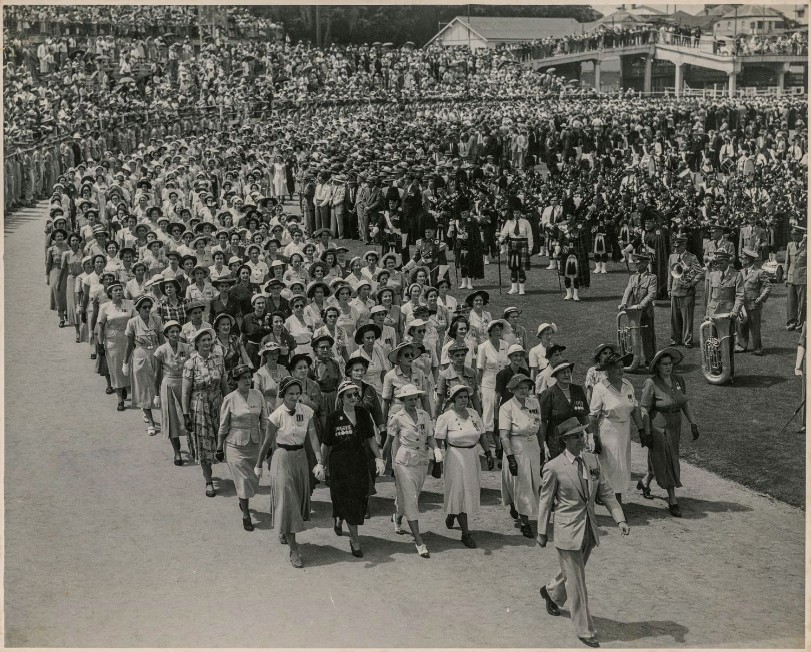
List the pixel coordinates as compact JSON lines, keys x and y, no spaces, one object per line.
{"x":410,"y":436}
{"x":562,"y":401}
{"x":169,"y":360}
{"x":112,"y":339}
{"x":71,"y":268}
{"x":143,"y":338}
{"x":204,"y":384}
{"x":613,"y":406}
{"x":664,"y":399}
{"x":243,"y":423}
{"x":54,"y":261}
{"x":289,"y":425}
{"x":458,"y":431}
{"x":519,"y":423}
{"x":348,"y":437}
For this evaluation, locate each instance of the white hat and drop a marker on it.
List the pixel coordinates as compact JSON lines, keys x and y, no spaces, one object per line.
{"x":546,"y":325}
{"x":408,"y":390}
{"x":515,"y":348}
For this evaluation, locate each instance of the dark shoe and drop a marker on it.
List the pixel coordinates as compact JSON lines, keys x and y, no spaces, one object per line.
{"x":551,"y":607}
{"x":688,"y":346}
{"x":109,"y":391}
{"x":675,"y":510}
{"x":246,"y":523}
{"x":598,"y":501}
{"x":591,"y":642}
{"x":178,"y":461}
{"x":513,"y":513}
{"x":526,"y":530}
{"x":368,"y":514}
{"x":210,"y":492}
{"x":283,"y":539}
{"x":645,"y":490}
{"x":295,"y":559}
{"x":78,"y":339}
{"x":356,"y":552}
{"x":92,"y":356}
{"x":338,"y":527}
{"x":121,"y":407}
{"x":61,"y":323}
{"x":124,"y":393}
{"x":467,"y":539}
{"x":449,"y":520}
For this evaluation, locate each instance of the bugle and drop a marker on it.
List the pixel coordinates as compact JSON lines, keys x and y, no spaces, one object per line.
{"x":629,"y":336}
{"x":717,"y":361}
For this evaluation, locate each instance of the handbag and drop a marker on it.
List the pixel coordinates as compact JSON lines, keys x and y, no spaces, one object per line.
{"x":644,"y":439}
{"x":436,"y":470}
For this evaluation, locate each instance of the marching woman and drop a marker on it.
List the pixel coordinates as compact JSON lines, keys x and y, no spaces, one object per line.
{"x":519,"y":423}
{"x":592,"y":375}
{"x":204,"y":385}
{"x":228,"y":344}
{"x":458,"y":431}
{"x":143,"y":338}
{"x":296,"y":324}
{"x":461,"y":337}
{"x":254,"y":328}
{"x":613,"y":406}
{"x":514,"y":333}
{"x":54,"y":263}
{"x":410,"y":436}
{"x":388,"y":298}
{"x":327,"y":373}
{"x":111,"y":339}
{"x":490,"y":359}
{"x":348,"y":434}
{"x":279,"y":335}
{"x":169,"y":360}
{"x":370,"y":349}
{"x":340,"y":339}
{"x":289,"y":425}
{"x":71,"y":269}
{"x":243,"y":422}
{"x":562,"y":401}
{"x":478,"y":318}
{"x":269,"y":376}
{"x":517,"y":234}
{"x":664,"y":398}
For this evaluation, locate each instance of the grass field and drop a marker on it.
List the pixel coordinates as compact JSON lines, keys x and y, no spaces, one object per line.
{"x":739,"y":423}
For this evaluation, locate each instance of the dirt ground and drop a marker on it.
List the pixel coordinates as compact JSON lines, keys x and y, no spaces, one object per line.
{"x":108,"y":544}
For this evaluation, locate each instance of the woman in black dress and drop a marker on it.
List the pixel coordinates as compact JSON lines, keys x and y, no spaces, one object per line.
{"x":348,"y":432}
{"x":560,"y":402}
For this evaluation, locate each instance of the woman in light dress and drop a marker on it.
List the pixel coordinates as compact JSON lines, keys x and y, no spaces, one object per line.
{"x":143,"y":338}
{"x":169,"y":360}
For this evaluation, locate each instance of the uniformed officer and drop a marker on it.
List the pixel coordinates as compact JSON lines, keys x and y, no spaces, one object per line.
{"x":430,"y":252}
{"x":640,"y":293}
{"x":753,"y":236}
{"x":718,"y":242}
{"x":725,"y":293}
{"x":682,"y":293}
{"x":796,"y":275}
{"x":756,"y":289}
{"x":456,"y":373}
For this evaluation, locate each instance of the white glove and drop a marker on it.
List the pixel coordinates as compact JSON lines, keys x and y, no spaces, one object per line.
{"x":319,"y":472}
{"x":437,"y":454}
{"x":380,"y":466}
{"x":258,"y":471}
{"x":157,"y":402}
{"x":125,"y":368}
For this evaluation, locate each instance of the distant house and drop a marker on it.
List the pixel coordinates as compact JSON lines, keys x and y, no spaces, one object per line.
{"x":750,"y":19}
{"x":483,"y":32}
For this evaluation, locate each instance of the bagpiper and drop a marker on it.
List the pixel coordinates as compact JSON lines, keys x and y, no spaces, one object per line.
{"x":517,"y":234}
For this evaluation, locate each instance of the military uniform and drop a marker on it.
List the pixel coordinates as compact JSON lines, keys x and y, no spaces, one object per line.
{"x":796,"y":280}
{"x":430,"y":253}
{"x":682,"y":294}
{"x":448,"y":378}
{"x":756,"y":289}
{"x":725,"y":294}
{"x":641,"y":291}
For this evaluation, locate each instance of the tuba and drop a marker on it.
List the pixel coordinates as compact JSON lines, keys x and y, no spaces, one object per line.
{"x":717,"y":361}
{"x":629,"y":336}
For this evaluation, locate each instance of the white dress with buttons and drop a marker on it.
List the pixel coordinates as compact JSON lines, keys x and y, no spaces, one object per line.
{"x":613,"y":410}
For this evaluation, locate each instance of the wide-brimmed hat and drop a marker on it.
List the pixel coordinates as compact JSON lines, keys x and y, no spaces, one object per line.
{"x":613,"y":358}
{"x":345,"y":386}
{"x":226,"y":279}
{"x":517,"y":379}
{"x":515,"y":348}
{"x":407,"y":390}
{"x":365,"y":329}
{"x":171,"y":323}
{"x":223,"y":315}
{"x":675,"y":355}
{"x":570,"y":427}
{"x":141,"y":299}
{"x":240,"y":370}
{"x":203,"y":331}
{"x":354,"y":360}
{"x":163,"y":283}
{"x":598,"y":351}
{"x":455,"y":389}
{"x":394,"y":354}
{"x":269,"y":347}
{"x":478,"y":293}
{"x":544,"y":326}
{"x":496,"y":322}
{"x":563,"y":364}
{"x":298,"y":357}
{"x":317,"y":284}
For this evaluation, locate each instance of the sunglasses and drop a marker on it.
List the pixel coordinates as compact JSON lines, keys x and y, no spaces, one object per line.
{"x":419,"y":330}
{"x":351,"y":395}
{"x":407,"y":356}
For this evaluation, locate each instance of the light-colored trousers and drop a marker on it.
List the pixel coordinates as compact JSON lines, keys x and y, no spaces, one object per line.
{"x":682,"y":310}
{"x":570,"y":585}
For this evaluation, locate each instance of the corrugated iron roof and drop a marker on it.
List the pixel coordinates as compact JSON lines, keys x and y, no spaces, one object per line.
{"x":519,"y":29}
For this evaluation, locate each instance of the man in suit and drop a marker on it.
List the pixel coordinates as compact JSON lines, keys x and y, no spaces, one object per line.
{"x":682,"y":293}
{"x":796,"y":275}
{"x":756,"y":289}
{"x":640,"y":293}
{"x":571,"y":482}
{"x":350,"y":207}
{"x":361,"y":204}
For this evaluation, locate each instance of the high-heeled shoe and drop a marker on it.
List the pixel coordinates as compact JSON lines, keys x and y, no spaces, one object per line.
{"x":526,"y":530}
{"x":356,"y":552}
{"x":246,"y":523}
{"x":398,"y":527}
{"x":449,"y":520}
{"x":645,"y":490}
{"x":674,"y":510}
{"x":513,"y":512}
{"x":338,"y":527}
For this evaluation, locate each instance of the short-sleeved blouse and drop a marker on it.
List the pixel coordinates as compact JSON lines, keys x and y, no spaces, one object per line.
{"x":478,"y":325}
{"x":395,"y":379}
{"x":520,"y":421}
{"x":291,"y":428}
{"x":146,"y":335}
{"x":267,"y":382}
{"x":413,"y":436}
{"x":378,"y":365}
{"x":299,"y":330}
{"x":593,"y":377}
{"x":458,"y":431}
{"x":608,"y":403}
{"x":172,"y":362}
{"x":491,"y":361}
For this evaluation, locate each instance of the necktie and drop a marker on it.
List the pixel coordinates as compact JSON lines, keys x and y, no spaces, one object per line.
{"x":584,"y":485}
{"x":516,"y":230}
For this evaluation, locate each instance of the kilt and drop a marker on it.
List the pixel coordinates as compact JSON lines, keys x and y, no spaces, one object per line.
{"x":518,"y":247}
{"x":601,"y":245}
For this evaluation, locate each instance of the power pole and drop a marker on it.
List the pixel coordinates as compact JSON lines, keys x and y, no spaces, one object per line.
{"x":318,"y":26}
